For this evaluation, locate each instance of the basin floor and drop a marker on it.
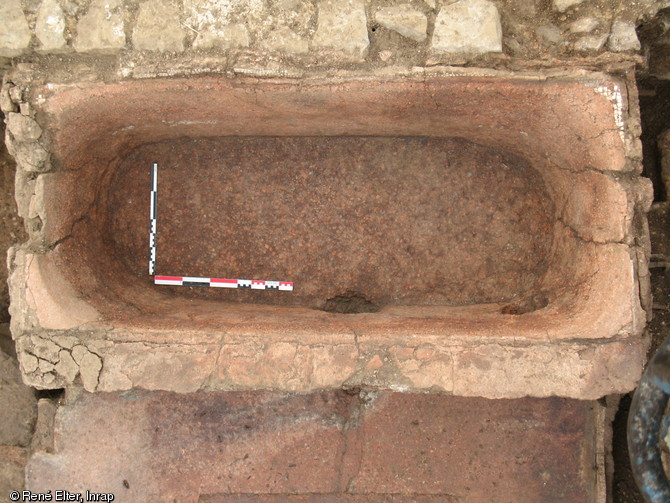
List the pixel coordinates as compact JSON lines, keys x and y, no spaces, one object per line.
{"x":395,"y":220}
{"x":346,"y":446}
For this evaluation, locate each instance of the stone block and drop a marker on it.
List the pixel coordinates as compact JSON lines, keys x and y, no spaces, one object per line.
{"x":323,"y":447}
{"x":468,"y":26}
{"x":158,"y":28}
{"x":342,"y":25}
{"x":285,"y":40}
{"x":229,"y":36}
{"x":623,"y":37}
{"x":14,"y":30}
{"x":102,"y":28}
{"x":43,"y":438}
{"x":49,"y":26}
{"x":404,"y":19}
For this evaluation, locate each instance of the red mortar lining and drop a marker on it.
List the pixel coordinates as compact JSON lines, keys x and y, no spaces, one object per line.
{"x":562,"y":128}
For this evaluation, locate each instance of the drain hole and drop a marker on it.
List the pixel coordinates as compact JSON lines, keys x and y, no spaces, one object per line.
{"x":51,"y":394}
{"x":349,"y":303}
{"x":527,"y":306}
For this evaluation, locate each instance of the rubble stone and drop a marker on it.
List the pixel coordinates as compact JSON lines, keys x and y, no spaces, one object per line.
{"x":32,"y":157}
{"x":29,"y":363}
{"x":563,"y":5}
{"x":90,"y":367}
{"x":45,"y":349}
{"x":342,"y":26}
{"x":101,"y":28}
{"x":623,"y":37}
{"x":584,"y":25}
{"x":6,"y":103}
{"x":285,"y":39}
{"x":45,"y":366}
{"x":14,"y":30}
{"x":23,"y":128}
{"x":158,"y":28}
{"x":590,"y":43}
{"x":468,"y":26}
{"x":227,"y":37}
{"x":550,"y":33}
{"x":50,"y":25}
{"x":66,"y":366}
{"x":404,"y":19}
{"x":78,"y":353}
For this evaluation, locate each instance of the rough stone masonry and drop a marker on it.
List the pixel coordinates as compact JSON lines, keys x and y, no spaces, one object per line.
{"x":356,"y":30}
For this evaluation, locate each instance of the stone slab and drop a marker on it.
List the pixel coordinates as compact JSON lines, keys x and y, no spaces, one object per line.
{"x":623,"y":37}
{"x":468,"y":26}
{"x":357,"y":446}
{"x":404,"y":19}
{"x":50,"y":25}
{"x":158,"y":28}
{"x":14,"y":31}
{"x":324,"y":498}
{"x":342,"y":26}
{"x":101,"y":29}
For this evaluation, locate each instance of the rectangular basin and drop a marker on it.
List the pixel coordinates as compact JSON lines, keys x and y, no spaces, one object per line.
{"x":481,"y":236}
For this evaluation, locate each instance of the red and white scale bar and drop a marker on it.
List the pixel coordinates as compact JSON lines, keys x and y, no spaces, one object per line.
{"x":253,"y":284}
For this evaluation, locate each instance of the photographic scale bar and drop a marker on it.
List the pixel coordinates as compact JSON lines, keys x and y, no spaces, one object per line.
{"x":252,"y":284}
{"x":152,"y":210}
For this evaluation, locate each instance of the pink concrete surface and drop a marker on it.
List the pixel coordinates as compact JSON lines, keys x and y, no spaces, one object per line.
{"x":359,"y":447}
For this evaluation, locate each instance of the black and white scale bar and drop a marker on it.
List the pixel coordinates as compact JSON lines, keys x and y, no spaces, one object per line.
{"x":152,"y":231}
{"x":253,"y":284}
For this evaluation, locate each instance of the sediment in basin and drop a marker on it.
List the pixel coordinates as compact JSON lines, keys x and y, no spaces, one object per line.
{"x":400,"y":220}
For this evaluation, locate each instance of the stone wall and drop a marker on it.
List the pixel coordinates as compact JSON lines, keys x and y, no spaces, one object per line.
{"x":330,"y":32}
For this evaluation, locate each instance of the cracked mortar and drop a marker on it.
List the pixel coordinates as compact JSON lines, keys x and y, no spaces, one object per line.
{"x":58,"y":364}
